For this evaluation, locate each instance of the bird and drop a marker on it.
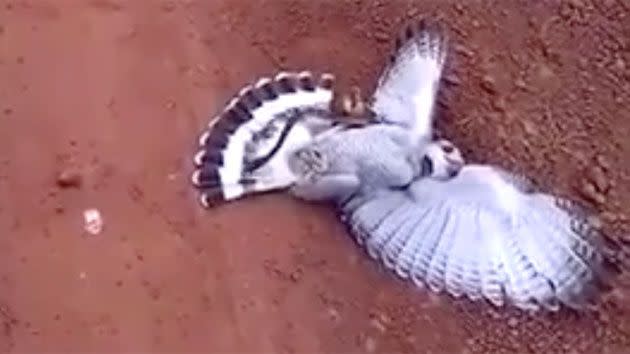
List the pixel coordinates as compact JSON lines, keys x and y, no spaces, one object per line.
{"x":417,"y":207}
{"x":467,"y":229}
{"x":246,"y":147}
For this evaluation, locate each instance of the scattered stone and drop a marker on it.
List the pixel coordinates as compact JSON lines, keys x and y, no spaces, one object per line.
{"x":603,"y":162}
{"x":512,"y":322}
{"x":529,"y":127}
{"x":171,"y":104}
{"x":452,"y":79}
{"x":609,"y":217}
{"x":381,"y":36}
{"x":488,"y":84}
{"x":296,"y":275}
{"x":499,"y":104}
{"x":378,"y":324}
{"x":69,"y":178}
{"x":333,"y":314}
{"x":588,"y":191}
{"x":370,"y":344}
{"x":583,"y":63}
{"x":599,"y":179}
{"x":461,"y":49}
{"x":520,"y":84}
{"x":620,"y":64}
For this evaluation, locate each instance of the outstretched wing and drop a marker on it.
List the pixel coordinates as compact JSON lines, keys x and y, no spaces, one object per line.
{"x":480,"y":236}
{"x":250,"y":128}
{"x":407,"y":88}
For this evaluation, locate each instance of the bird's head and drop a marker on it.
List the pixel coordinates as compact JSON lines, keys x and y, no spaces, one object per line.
{"x":308,"y":161}
{"x":441,"y":160}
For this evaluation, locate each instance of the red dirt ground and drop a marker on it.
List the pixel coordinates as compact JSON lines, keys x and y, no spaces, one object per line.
{"x":118,"y":91}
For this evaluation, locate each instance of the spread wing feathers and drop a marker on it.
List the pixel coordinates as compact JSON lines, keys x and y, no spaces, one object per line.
{"x":406,"y":90}
{"x":463,"y":238}
{"x":249,"y":127}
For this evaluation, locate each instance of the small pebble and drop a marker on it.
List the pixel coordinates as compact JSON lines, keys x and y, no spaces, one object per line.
{"x":296,"y":275}
{"x":620,"y":64}
{"x":599,"y":179}
{"x":370,"y":345}
{"x":69,"y":178}
{"x":512,"y":322}
{"x":589,"y":192}
{"x":603,"y":162}
{"x":460,"y":49}
{"x":520,"y":83}
{"x":452,"y":79}
{"x":488,"y":84}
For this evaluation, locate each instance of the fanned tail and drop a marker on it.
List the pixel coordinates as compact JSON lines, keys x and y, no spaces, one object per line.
{"x":243,"y":132}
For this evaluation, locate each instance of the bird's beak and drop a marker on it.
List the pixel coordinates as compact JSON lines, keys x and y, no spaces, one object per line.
{"x":454,"y":166}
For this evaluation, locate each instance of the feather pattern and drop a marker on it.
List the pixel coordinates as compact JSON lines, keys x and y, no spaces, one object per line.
{"x":373,"y":212}
{"x":249,"y":126}
{"x":481,"y":235}
{"x":406,"y":89}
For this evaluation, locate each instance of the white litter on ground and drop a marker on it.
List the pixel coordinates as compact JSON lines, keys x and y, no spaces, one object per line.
{"x":93,"y":221}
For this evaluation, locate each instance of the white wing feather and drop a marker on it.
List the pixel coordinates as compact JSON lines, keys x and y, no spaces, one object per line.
{"x":478,"y":235}
{"x":407,"y":88}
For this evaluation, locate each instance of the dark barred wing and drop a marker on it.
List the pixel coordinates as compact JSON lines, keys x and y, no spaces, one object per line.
{"x":480,"y":236}
{"x":242,"y":151}
{"x":407,"y":88}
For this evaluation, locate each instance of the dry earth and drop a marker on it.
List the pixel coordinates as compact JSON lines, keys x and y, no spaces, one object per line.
{"x":114,"y":94}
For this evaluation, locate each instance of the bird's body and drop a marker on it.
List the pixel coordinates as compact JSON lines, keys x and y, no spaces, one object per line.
{"x":470,"y":230}
{"x":375,"y":157}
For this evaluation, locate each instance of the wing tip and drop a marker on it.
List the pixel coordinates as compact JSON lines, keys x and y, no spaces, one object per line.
{"x":429,"y":34}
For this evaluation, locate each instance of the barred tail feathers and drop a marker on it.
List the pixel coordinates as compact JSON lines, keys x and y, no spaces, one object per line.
{"x":219,"y":163}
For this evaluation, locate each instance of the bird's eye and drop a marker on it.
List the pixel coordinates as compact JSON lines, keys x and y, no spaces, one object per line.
{"x":447,"y":148}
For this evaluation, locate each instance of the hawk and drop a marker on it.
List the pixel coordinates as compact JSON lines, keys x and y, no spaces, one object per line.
{"x":470,"y":230}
